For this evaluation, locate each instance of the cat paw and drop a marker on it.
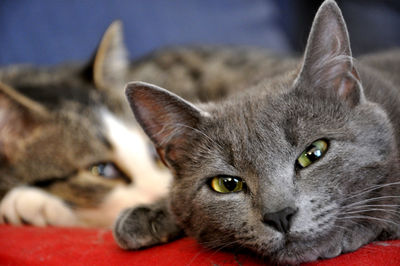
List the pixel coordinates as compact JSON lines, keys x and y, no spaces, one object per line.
{"x":142,"y":227}
{"x":133,"y":229}
{"x":358,"y":236}
{"x":28,"y":205}
{"x":331,"y":252}
{"x":350,"y":245}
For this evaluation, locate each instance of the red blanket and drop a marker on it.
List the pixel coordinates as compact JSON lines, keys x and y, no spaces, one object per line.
{"x":73,"y":246}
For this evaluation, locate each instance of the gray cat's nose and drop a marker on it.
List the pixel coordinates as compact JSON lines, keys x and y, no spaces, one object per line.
{"x":280,"y":220}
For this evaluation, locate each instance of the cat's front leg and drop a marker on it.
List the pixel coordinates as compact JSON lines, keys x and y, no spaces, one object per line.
{"x":30,"y":205}
{"x":145,"y":226}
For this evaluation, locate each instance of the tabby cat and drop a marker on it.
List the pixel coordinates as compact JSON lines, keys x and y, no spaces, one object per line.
{"x":70,"y":152}
{"x":304,"y":165}
{"x":64,"y":133}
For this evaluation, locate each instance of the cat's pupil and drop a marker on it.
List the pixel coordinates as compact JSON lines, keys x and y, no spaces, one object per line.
{"x":230,"y":183}
{"x":107,"y":170}
{"x":314,"y":154}
{"x":226,"y":184}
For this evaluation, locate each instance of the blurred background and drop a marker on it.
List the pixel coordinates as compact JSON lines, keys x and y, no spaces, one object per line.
{"x":54,"y":31}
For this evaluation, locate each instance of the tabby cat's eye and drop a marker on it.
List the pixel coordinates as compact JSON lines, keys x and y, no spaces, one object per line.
{"x":313,"y":153}
{"x":107,"y":170}
{"x":226,"y":184}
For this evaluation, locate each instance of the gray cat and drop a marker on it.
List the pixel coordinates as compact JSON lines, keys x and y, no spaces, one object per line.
{"x":303,"y":166}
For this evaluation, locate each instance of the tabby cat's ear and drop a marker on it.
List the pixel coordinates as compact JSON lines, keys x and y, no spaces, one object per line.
{"x":13,"y":101}
{"x":109,"y":65}
{"x":19,"y":117}
{"x":328,"y":62}
{"x":165,"y":117}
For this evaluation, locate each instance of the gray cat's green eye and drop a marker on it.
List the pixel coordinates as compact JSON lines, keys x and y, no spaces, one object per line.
{"x":314,"y":152}
{"x":226,"y":184}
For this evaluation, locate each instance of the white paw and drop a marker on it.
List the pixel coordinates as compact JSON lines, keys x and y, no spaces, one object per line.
{"x":36,"y":207}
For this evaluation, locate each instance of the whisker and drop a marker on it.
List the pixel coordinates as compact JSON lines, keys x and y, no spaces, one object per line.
{"x":372,"y":188}
{"x":210,"y":243}
{"x":216,"y":248}
{"x":355,"y":223}
{"x":204,"y":250}
{"x":366,"y":217}
{"x":341,"y":227}
{"x":369,"y":200}
{"x":377,"y":205}
{"x":232,"y":243}
{"x":194,"y":257}
{"x":373,"y":209}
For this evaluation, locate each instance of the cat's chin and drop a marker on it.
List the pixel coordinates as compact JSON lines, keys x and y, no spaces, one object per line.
{"x":294,"y":250}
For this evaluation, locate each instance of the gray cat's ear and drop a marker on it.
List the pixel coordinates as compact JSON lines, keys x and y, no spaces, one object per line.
{"x":165,"y":117}
{"x":328,"y":62}
{"x":109,"y":66}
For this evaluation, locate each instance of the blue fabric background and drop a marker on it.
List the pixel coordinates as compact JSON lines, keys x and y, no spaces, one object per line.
{"x":52,"y":31}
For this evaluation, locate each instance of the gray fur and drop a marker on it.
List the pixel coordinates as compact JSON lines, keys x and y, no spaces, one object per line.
{"x":345,"y":200}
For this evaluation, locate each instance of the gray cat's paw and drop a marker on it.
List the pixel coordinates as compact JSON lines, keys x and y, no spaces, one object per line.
{"x":142,"y":227}
{"x":29,"y":205}
{"x":350,"y":245}
{"x":331,"y":252}
{"x":351,"y":240}
{"x":357,"y":237}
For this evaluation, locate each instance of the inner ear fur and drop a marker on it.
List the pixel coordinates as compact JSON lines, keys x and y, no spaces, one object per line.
{"x":165,"y":117}
{"x":328,"y":63}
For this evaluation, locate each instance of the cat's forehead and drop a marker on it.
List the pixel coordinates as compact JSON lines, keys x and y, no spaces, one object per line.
{"x":50,"y":86}
{"x":292,"y":117}
{"x":20,"y":74}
